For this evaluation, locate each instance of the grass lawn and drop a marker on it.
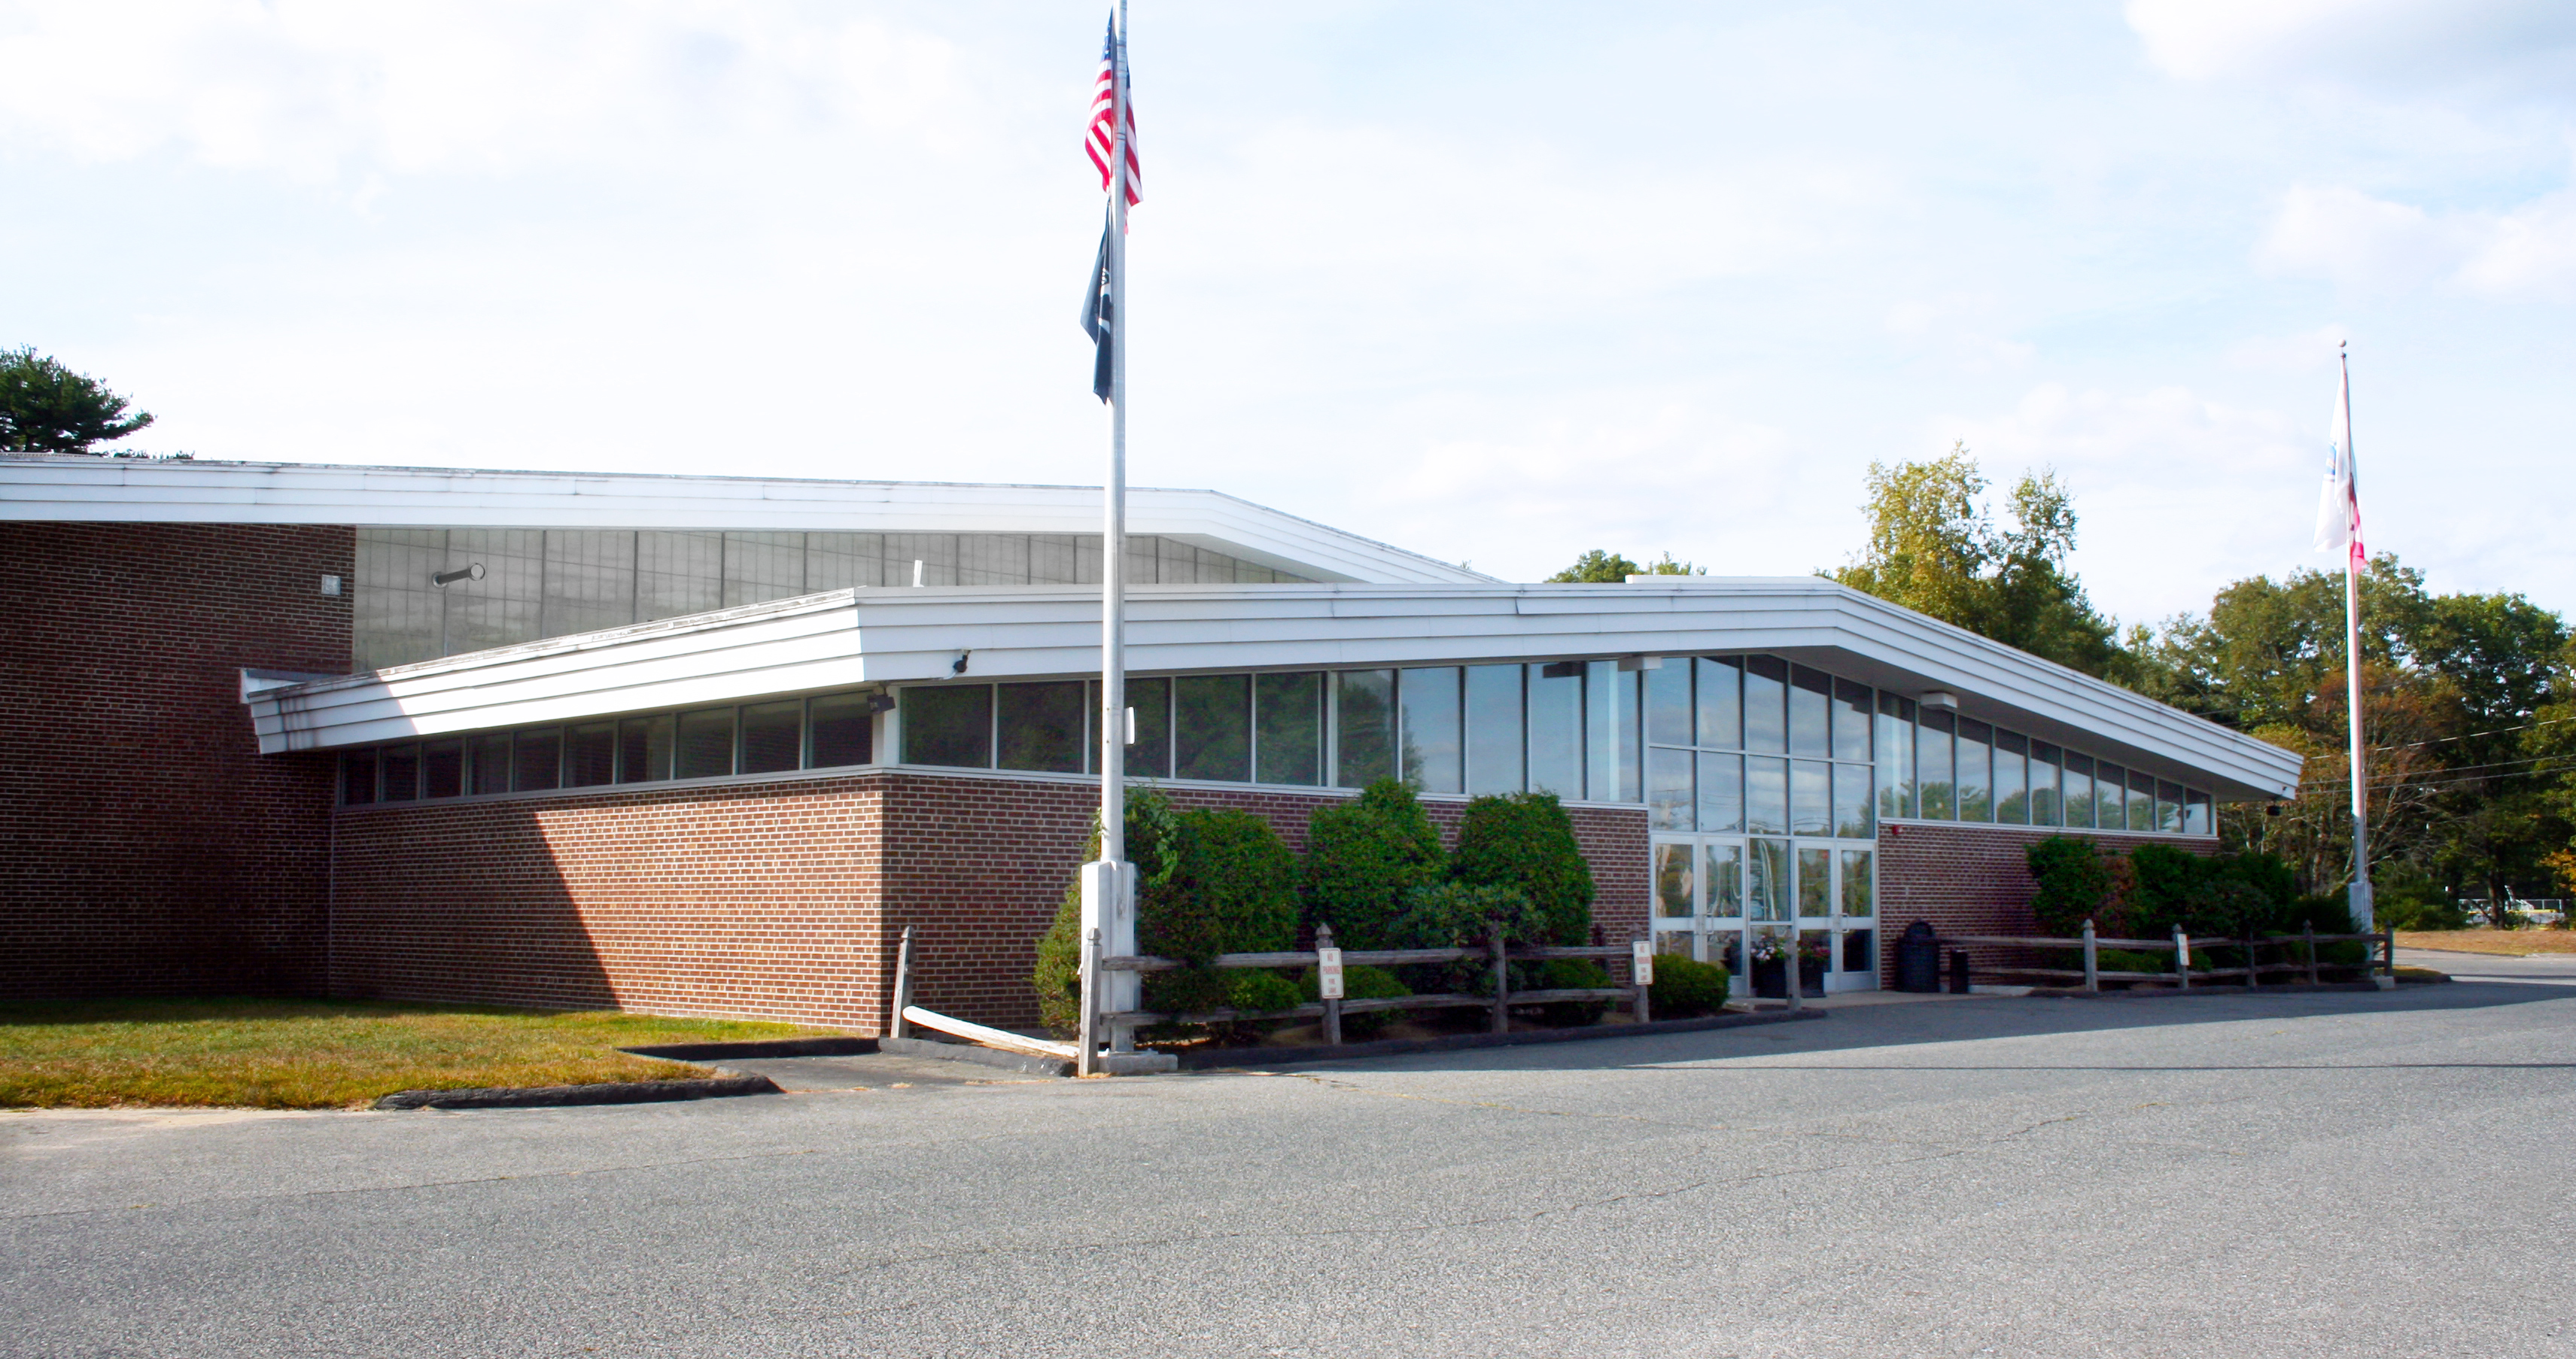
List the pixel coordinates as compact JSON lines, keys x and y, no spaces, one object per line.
{"x":321,"y":1054}
{"x":2515,"y":943}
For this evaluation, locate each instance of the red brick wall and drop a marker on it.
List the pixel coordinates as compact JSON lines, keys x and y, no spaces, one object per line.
{"x":1970,"y":879}
{"x":145,"y":846}
{"x":777,"y":900}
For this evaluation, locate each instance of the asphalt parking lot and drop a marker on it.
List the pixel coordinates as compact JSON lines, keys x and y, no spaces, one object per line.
{"x":2271,"y":1175}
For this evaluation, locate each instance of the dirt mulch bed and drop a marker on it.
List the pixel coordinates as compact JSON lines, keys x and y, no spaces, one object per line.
{"x":2510,"y":943}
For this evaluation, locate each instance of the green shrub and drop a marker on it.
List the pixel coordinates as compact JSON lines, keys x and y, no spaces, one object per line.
{"x":1685,"y":987}
{"x":1224,"y":884}
{"x":1360,"y":983}
{"x":1570,"y":974}
{"x":2072,"y":884}
{"x":1457,"y":915}
{"x":1525,"y":841}
{"x":1253,"y":991}
{"x":2127,"y":960}
{"x":1363,"y":858}
{"x":1057,"y":978}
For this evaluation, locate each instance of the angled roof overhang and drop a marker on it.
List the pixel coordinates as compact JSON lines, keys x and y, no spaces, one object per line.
{"x":129,"y":490}
{"x":878,"y":636}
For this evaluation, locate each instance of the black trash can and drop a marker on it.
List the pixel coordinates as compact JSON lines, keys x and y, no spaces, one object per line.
{"x":1918,"y":959}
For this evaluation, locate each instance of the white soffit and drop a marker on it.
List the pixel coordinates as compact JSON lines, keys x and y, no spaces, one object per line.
{"x":876,"y":636}
{"x":131,"y":490}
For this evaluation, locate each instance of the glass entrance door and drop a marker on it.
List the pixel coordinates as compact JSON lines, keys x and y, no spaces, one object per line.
{"x":1838,"y":912}
{"x":1723,"y":899}
{"x":1699,"y":896}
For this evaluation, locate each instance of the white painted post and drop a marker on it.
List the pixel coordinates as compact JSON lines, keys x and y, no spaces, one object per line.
{"x":1086,"y":1039}
{"x":1641,"y":975}
{"x":1795,"y":970}
{"x":902,"y":984}
{"x":1109,"y":909}
{"x":2182,"y":959}
{"x":1329,"y":983}
{"x":2092,"y":971}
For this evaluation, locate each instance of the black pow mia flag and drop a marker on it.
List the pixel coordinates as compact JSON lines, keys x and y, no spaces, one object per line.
{"x":1100,"y":316}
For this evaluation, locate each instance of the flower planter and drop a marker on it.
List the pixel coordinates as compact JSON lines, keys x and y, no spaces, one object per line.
{"x":1767,"y":983}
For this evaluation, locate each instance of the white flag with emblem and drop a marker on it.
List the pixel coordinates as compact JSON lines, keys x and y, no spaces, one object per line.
{"x":2339,"y":500}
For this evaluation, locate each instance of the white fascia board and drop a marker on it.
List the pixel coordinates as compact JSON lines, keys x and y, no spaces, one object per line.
{"x":125,"y":490}
{"x":888,"y":635}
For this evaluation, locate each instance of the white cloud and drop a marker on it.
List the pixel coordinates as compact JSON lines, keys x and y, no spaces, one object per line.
{"x":2376,"y":245}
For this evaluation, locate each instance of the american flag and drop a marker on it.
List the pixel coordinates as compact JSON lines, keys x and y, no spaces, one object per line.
{"x":1105,"y":115}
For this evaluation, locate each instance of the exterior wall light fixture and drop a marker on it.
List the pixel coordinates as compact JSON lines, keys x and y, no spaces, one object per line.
{"x":471,"y":571}
{"x":1940,"y":700}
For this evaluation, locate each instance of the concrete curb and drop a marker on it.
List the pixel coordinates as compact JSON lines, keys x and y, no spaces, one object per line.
{"x":1029,"y":1062}
{"x":557,"y":1096}
{"x":1260,"y":1058}
{"x":775,"y":1047}
{"x":2300,"y":988}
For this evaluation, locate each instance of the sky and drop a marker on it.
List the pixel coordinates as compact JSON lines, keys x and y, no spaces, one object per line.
{"x":1497,"y":282}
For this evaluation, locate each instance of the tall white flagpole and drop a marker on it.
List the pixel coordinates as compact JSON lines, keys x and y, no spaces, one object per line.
{"x":2357,"y":900}
{"x":1109,"y":888}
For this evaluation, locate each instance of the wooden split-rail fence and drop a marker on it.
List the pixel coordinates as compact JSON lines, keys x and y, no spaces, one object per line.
{"x":2305,"y":964}
{"x":1496,"y":953}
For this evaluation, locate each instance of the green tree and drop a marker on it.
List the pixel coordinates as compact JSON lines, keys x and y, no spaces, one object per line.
{"x":1935,"y":549}
{"x":47,"y":408}
{"x":1364,"y":858}
{"x":1597,"y":567}
{"x":1525,"y":842}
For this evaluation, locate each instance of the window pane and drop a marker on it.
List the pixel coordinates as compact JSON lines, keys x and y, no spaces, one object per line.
{"x":2044,"y":761}
{"x":1364,"y":726}
{"x":2169,"y":806}
{"x":442,"y":769}
{"x":1556,"y":729}
{"x":1430,"y":730}
{"x":1852,"y":720}
{"x":1766,"y":895}
{"x":704,"y":743}
{"x":1766,"y":796}
{"x":844,"y":731}
{"x":1151,"y":756}
{"x":536,"y":759}
{"x":950,"y":724}
{"x":677,"y":573}
{"x":1494,"y":728}
{"x":644,"y":748}
{"x":1766,"y":704}
{"x":1811,"y":798}
{"x":1721,"y":701}
{"x":1852,"y":802}
{"x":1724,"y":866}
{"x":2011,"y":793}
{"x":1721,"y":792}
{"x":1288,"y":711}
{"x":1610,"y":733}
{"x":1859,"y":895}
{"x":590,"y":755}
{"x":1815,"y":883}
{"x":1810,"y":709}
{"x":491,"y":762}
{"x":1668,"y":702}
{"x":2110,"y":797}
{"x":1212,"y":728}
{"x":1975,"y":771}
{"x":773,"y":736}
{"x":1673,"y":897}
{"x":1860,"y":951}
{"x":589,"y":580}
{"x":1895,"y":756}
{"x":1668,"y":789}
{"x":358,"y":778}
{"x":1040,"y":726}
{"x":2199,"y":817}
{"x":1932,"y":767}
{"x":2076,"y":802}
{"x":400,"y":767}
{"x":2142,"y":801}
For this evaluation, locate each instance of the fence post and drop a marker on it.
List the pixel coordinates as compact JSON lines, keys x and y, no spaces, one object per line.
{"x":2310,"y":929}
{"x":1641,"y":976}
{"x":2182,"y":959}
{"x":1795,"y":970}
{"x":2388,"y":954}
{"x":1332,"y":1000}
{"x":1086,"y":1036}
{"x":902,"y":984}
{"x":1502,"y":985}
{"x":2092,"y":968}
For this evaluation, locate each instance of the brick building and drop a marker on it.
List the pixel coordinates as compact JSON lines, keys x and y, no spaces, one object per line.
{"x":707,"y":745}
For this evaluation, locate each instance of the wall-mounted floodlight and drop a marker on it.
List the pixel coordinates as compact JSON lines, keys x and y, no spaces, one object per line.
{"x":443,"y":579}
{"x":1561,"y":670}
{"x":1635,"y":663}
{"x":1940,"y":700}
{"x":878,"y":703}
{"x":958,"y":666}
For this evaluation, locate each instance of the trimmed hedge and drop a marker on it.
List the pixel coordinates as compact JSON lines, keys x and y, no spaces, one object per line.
{"x":1226,"y":885}
{"x":1526,"y":842}
{"x":1686,"y":987}
{"x":2073,"y":883}
{"x":1363,"y":858}
{"x":1151,"y":825}
{"x":1569,"y":974}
